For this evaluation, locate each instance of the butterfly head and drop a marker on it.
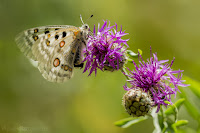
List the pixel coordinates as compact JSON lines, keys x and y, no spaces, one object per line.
{"x":85,"y":27}
{"x":85,"y":30}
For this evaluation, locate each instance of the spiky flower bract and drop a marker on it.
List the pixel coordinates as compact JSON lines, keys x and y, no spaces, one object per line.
{"x":105,"y":49}
{"x":156,"y":78}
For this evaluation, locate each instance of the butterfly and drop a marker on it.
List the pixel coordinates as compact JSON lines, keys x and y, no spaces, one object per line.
{"x":58,"y":49}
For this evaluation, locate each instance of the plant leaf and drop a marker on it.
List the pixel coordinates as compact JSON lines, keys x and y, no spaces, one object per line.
{"x":132,"y":54}
{"x":177,"y":104}
{"x":194,"y":85}
{"x":127,"y":122}
{"x":167,"y":102}
{"x":130,"y":60}
{"x":140,"y":51}
{"x":192,"y":110}
{"x":178,"y":124}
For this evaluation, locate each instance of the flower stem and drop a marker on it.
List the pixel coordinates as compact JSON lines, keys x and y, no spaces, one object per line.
{"x":176,"y":113}
{"x":125,"y":73}
{"x":163,"y":116}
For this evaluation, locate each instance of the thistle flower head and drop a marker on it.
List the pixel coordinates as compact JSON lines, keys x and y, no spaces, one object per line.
{"x":137,"y":102}
{"x":157,"y":78}
{"x":105,"y":49}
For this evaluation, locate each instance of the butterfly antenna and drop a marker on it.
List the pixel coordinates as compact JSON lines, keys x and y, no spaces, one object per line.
{"x":90,"y":17}
{"x":81,"y":19}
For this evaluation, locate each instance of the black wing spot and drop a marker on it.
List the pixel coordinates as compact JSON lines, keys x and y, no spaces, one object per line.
{"x":36,"y":30}
{"x":35,"y":37}
{"x":62,"y":66}
{"x":56,"y":37}
{"x":64,"y":34}
{"x":46,"y":32}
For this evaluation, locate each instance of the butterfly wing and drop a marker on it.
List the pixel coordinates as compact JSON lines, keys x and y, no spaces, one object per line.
{"x":54,"y":48}
{"x":26,"y":39}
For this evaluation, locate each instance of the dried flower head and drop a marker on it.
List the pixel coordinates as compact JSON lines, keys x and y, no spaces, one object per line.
{"x":105,"y":49}
{"x":157,"y":78}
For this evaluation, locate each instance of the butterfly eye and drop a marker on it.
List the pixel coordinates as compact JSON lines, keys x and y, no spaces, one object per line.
{"x":86,"y":27}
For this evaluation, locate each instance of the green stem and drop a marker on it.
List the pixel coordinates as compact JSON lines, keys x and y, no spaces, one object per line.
{"x":163,"y":120}
{"x":124,"y":71}
{"x":176,"y":113}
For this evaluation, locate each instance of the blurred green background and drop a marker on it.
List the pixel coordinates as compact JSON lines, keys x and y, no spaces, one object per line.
{"x":90,"y":104}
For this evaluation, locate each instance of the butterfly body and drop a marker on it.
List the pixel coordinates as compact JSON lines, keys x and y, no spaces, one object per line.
{"x":58,"y":49}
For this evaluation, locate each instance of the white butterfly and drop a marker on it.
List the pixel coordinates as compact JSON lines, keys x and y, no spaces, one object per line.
{"x":58,"y":49}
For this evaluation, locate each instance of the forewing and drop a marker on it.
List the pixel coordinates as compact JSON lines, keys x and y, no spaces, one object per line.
{"x":26,"y":39}
{"x":56,"y":53}
{"x":54,"y":49}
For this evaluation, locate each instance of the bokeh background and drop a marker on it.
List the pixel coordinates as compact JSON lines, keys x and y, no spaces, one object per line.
{"x":90,"y":104}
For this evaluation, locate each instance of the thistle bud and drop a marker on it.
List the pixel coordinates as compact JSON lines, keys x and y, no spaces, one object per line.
{"x":137,"y":102}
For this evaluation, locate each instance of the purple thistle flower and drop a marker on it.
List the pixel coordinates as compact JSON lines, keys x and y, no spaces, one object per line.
{"x":105,"y":49}
{"x":156,"y":78}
